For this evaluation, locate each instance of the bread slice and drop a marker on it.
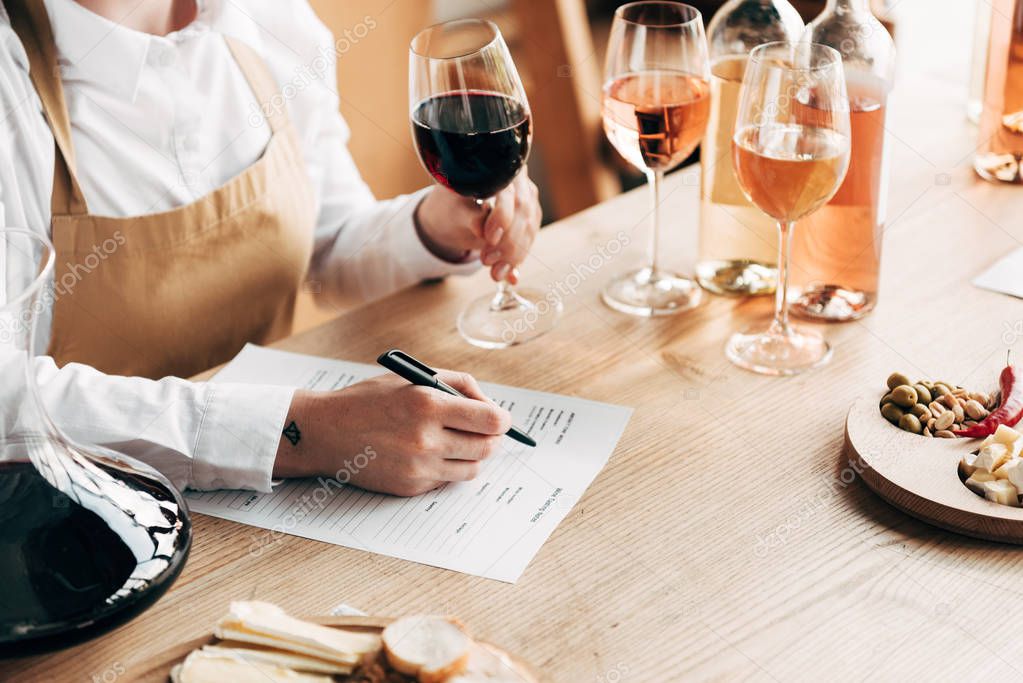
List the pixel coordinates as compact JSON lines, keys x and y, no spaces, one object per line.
{"x":433,"y":649}
{"x":489,"y":665}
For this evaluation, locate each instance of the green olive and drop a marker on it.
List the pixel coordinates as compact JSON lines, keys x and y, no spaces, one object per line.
{"x":942,"y":389}
{"x":910,"y":423}
{"x":892,"y":413}
{"x":922,"y":412}
{"x":904,"y":396}
{"x":897,"y":378}
{"x":887,"y":398}
{"x":923,"y":394}
{"x":926,"y":383}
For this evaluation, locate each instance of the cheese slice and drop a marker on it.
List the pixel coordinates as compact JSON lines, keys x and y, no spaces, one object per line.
{"x":267,"y":655}
{"x":204,"y":667}
{"x":262,"y":623}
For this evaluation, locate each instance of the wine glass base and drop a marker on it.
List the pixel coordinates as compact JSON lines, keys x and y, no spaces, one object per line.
{"x":647,"y":293}
{"x":496,"y":322}
{"x":832,"y":304}
{"x":775,"y":352}
{"x":737,"y":277}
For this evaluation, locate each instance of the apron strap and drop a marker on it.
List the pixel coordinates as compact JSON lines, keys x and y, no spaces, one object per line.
{"x":262,"y":83}
{"x":32,"y":25}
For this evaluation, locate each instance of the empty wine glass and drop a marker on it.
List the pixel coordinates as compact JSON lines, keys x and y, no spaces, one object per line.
{"x":791,"y":152}
{"x":655,"y":108}
{"x":472,"y":128}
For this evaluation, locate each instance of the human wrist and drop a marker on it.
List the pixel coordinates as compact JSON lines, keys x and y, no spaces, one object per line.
{"x":295,"y":457}
{"x":425,"y":231}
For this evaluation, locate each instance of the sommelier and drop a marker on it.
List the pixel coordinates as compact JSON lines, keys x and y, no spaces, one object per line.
{"x":191,"y":183}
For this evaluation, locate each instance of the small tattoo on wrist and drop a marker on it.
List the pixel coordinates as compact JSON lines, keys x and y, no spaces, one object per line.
{"x":292,"y":434}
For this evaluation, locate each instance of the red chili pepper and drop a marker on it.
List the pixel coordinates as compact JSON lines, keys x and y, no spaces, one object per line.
{"x":1008,"y":413}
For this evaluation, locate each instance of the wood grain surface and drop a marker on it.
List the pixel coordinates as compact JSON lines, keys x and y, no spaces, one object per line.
{"x":725,"y":539}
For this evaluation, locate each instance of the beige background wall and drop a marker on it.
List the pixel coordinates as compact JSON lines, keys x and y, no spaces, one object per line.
{"x":373,"y":84}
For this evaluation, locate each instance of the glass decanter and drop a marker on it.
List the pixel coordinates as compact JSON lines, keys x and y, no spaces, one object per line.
{"x":90,"y":538}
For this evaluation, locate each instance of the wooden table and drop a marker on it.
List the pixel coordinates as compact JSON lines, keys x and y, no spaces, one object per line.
{"x":661,"y":572}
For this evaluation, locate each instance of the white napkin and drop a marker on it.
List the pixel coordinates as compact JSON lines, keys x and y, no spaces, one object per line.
{"x":1005,"y":276}
{"x":344,"y":610}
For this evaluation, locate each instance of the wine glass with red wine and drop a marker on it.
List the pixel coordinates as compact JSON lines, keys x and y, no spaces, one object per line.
{"x":472,"y":129}
{"x":655,"y":108}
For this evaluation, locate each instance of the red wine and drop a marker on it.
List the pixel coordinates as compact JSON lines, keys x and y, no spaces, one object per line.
{"x":72,"y":571}
{"x":473,"y":142}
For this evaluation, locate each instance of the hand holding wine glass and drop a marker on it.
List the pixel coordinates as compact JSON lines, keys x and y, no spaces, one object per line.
{"x":656,"y":108}
{"x":791,"y":151}
{"x":452,"y":226}
{"x":472,"y":127}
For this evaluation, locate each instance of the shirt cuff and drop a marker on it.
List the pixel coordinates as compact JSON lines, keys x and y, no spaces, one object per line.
{"x":238,"y":437}
{"x":413,"y":256}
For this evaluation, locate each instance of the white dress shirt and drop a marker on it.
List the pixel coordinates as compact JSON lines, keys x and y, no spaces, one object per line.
{"x":158,"y":122}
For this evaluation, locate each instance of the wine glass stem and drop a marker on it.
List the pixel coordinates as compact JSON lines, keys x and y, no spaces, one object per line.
{"x":781,"y":294}
{"x":504,"y":297}
{"x":654,"y":178}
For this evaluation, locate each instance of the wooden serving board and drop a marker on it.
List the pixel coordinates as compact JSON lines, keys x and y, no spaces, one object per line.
{"x":920,"y":476}
{"x":160,"y":666}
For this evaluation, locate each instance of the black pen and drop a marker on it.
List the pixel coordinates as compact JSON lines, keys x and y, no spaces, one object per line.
{"x":407,"y":367}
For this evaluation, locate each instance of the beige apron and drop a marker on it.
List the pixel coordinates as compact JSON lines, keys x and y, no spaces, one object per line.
{"x":175,"y":292}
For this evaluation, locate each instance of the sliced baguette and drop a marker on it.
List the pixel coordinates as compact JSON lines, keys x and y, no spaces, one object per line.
{"x":489,"y":665}
{"x":433,"y":649}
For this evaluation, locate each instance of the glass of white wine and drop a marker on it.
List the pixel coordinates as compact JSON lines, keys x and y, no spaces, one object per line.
{"x":791,"y":152}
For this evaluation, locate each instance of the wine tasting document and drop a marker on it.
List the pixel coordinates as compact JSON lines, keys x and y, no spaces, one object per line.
{"x":492,"y":526}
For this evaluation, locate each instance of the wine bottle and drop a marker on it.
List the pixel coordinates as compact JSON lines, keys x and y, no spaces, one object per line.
{"x":836,"y":254}
{"x":738,"y":243}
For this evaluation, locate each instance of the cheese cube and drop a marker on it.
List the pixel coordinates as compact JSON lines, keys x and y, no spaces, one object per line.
{"x":977,"y":480}
{"x":991,"y":457}
{"x":1013,"y":471}
{"x":968,"y":464}
{"x":1002,"y":492}
{"x":1004,"y":435}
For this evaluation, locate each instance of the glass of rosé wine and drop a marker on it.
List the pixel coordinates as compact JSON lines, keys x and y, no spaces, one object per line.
{"x":790,"y":149}
{"x":656,"y":104}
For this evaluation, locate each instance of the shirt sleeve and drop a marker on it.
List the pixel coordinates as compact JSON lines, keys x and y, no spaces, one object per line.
{"x":199,"y":435}
{"x":364,"y":248}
